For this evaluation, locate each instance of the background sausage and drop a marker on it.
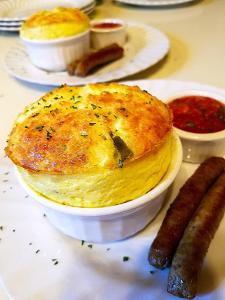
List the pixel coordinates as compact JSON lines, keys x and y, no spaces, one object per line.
{"x":188,"y":259}
{"x":181,"y":211}
{"x":100,"y":57}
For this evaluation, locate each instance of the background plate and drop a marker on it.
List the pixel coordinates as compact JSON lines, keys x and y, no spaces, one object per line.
{"x":30,"y":246}
{"x":153,"y":2}
{"x":145,"y":46}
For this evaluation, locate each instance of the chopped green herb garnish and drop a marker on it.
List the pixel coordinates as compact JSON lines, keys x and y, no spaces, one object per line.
{"x":82,"y":242}
{"x":120,"y":163}
{"x":52,"y":129}
{"x":26,"y":126}
{"x":56,"y":98}
{"x":40,"y":127}
{"x":97,"y":115}
{"x":37,"y":251}
{"x":92,"y":124}
{"x":93,"y":106}
{"x":49,"y":135}
{"x":77,"y":102}
{"x":126,"y":258}
{"x":74,"y":107}
{"x":56,"y":262}
{"x":35,"y":115}
{"x":47,"y":106}
{"x":90,"y":246}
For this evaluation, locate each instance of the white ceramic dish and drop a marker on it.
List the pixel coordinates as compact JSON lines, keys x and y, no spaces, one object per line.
{"x":199,"y":146}
{"x":54,"y":55}
{"x":102,"y":37}
{"x":86,"y":270}
{"x":153,"y":2}
{"x":145,"y":46}
{"x":113,"y":223}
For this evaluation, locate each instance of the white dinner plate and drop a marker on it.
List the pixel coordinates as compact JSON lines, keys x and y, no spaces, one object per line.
{"x":153,"y":2}
{"x":37,"y":262}
{"x":146,"y":45}
{"x":17,"y":10}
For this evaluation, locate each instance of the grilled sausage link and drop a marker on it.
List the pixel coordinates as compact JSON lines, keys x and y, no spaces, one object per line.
{"x":181,"y":211}
{"x":188,"y":259}
{"x":100,"y":57}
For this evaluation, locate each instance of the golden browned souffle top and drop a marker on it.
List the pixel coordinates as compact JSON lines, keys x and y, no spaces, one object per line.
{"x":56,"y":16}
{"x":74,"y":130}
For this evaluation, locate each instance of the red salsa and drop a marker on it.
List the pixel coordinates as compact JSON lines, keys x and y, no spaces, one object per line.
{"x":107,"y":25}
{"x":198,"y":114}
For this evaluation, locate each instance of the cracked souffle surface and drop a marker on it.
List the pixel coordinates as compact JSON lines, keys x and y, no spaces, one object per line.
{"x":56,"y":23}
{"x":93,"y":146}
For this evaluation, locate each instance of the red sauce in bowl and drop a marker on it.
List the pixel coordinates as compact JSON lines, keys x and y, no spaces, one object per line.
{"x":198,"y":114}
{"x":107,"y":25}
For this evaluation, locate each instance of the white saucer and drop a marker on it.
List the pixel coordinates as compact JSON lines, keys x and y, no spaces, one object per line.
{"x":145,"y":46}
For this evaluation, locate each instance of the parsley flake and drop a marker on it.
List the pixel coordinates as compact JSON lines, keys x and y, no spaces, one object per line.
{"x":126,"y":258}
{"x":93,"y":106}
{"x":120,"y":163}
{"x":40,"y":127}
{"x":49,"y":135}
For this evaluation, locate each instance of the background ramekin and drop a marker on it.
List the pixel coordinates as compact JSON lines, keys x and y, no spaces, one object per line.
{"x":103,"y":37}
{"x":199,"y":146}
{"x":107,"y":224}
{"x":56,"y":54}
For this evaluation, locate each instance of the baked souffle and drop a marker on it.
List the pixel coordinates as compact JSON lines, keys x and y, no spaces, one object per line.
{"x":93,"y":146}
{"x":57,"y":23}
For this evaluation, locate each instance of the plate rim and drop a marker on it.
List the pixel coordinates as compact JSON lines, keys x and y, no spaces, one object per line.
{"x":153,"y":3}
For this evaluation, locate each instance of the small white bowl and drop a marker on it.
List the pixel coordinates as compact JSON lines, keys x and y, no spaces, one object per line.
{"x":199,"y":146}
{"x":102,"y":37}
{"x":56,"y":54}
{"x":107,"y":224}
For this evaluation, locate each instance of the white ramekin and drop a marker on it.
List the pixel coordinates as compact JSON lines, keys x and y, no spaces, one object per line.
{"x":199,"y":146}
{"x":107,"y":224}
{"x":56,"y":54}
{"x":103,"y":37}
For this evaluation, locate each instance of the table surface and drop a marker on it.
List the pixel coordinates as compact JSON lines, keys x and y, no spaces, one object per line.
{"x":196,"y":33}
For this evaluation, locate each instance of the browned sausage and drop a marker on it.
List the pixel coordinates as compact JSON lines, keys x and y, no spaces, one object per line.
{"x":181,"y":211}
{"x":188,"y":259}
{"x":100,"y":57}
